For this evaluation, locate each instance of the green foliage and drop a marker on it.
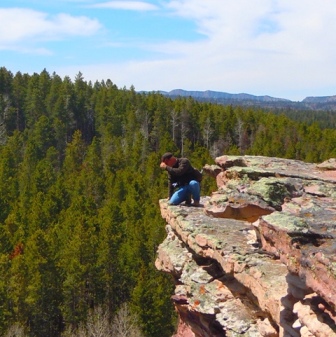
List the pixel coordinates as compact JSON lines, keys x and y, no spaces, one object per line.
{"x":79,"y":189}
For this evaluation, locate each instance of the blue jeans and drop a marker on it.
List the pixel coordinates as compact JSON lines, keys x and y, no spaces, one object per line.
{"x":184,"y":192}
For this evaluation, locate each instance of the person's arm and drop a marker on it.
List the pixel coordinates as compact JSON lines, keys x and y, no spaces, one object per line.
{"x":170,"y":187}
{"x":164,"y":166}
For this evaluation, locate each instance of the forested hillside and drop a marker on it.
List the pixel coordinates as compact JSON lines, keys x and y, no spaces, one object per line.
{"x":79,"y":189}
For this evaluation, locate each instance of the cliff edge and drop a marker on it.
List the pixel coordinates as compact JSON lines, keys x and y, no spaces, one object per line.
{"x":258,"y":258}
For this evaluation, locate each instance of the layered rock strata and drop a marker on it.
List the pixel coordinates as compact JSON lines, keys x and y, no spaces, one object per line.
{"x":258,"y":258}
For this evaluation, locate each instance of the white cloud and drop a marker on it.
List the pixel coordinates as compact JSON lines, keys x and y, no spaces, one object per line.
{"x":257,"y":44}
{"x":19,"y":25}
{"x":249,"y":21}
{"x":126,"y":5}
{"x":282,"y":48}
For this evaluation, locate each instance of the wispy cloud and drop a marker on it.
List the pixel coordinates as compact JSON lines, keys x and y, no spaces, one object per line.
{"x":126,"y":5}
{"x":20,"y":25}
{"x":270,"y":35}
{"x":263,"y":20}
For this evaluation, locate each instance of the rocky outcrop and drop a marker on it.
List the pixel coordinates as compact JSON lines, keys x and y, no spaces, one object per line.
{"x":258,"y":258}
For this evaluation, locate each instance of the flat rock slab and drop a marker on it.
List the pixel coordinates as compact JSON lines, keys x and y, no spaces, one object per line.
{"x":273,"y":166}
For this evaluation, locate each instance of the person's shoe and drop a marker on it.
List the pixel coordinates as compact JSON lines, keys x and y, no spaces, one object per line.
{"x":196,"y":203}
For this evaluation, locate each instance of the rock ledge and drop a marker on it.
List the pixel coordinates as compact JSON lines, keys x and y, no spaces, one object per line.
{"x":258,"y":259}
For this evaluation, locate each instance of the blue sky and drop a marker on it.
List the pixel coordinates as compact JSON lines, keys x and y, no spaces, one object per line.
{"x":281,"y":48}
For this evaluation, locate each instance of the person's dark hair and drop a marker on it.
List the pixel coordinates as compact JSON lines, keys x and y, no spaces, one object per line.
{"x":166,"y":156}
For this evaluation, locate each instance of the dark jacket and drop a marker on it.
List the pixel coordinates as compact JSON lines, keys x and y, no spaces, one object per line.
{"x":180,"y":174}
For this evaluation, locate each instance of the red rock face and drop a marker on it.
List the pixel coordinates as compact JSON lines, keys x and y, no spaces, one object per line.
{"x":259,"y":258}
{"x":239,"y":208}
{"x":183,"y":330}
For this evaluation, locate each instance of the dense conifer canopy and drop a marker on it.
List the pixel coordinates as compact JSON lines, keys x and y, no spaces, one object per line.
{"x":79,"y":189}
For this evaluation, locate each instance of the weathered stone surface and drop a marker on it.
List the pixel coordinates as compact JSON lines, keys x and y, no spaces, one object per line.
{"x":183,"y":330}
{"x":259,"y":258}
{"x":239,"y":206}
{"x":329,"y":164}
{"x":315,"y":321}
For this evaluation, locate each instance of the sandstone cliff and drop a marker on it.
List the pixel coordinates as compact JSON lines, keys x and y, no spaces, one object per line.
{"x":258,"y":258}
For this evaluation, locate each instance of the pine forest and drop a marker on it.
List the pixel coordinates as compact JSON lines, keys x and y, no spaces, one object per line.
{"x":80,"y":185}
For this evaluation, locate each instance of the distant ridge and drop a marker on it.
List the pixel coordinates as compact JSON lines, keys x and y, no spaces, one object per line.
{"x":322,"y":103}
{"x":321,"y":99}
{"x":208,"y":94}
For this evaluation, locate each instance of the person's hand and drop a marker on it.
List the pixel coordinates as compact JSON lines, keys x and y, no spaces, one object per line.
{"x":163,"y":165}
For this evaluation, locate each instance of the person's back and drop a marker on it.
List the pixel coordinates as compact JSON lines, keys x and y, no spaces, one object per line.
{"x":181,"y":172}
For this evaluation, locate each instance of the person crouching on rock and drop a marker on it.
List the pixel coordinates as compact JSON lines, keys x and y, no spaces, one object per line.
{"x":181,"y":176}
